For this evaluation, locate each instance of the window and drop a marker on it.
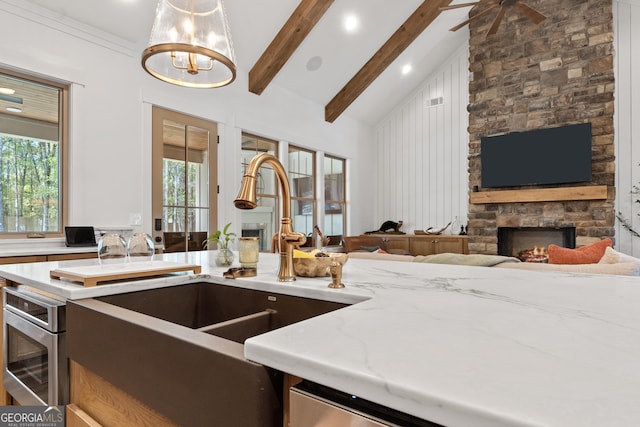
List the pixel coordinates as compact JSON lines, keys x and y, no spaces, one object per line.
{"x":262,"y":221}
{"x":33,"y":146}
{"x":184,"y":179}
{"x":302,"y":183}
{"x":334,"y":198}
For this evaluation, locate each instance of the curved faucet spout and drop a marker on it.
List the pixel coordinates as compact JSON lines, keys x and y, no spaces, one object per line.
{"x":246,"y":199}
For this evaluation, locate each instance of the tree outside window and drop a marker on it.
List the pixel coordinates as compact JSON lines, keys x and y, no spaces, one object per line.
{"x":302,"y":184}
{"x":32,"y":141}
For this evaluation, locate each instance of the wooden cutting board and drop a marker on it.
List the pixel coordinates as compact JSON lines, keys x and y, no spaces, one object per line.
{"x":92,"y":275}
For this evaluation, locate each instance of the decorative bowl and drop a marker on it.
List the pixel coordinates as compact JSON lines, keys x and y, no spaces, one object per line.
{"x":317,"y":266}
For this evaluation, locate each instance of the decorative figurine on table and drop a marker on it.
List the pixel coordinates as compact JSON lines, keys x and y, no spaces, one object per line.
{"x":388,"y":227}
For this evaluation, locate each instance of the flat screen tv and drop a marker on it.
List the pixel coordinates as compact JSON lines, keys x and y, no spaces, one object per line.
{"x":558,"y":155}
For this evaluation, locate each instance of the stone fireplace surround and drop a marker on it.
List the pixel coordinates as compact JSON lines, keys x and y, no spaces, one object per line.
{"x":539,"y":76}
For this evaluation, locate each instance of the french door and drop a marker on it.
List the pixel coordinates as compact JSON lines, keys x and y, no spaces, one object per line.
{"x":184,"y":179}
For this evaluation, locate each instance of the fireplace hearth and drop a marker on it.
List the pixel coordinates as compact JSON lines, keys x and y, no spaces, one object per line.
{"x":530,"y":244}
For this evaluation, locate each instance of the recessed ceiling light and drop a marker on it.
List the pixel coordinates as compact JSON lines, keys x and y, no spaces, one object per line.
{"x":314,"y":63}
{"x":351,"y":23}
{"x":14,"y":110}
{"x":406,"y":69}
{"x":7,"y":91}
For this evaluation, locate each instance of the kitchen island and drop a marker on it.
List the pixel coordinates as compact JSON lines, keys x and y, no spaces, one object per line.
{"x":459,"y":346}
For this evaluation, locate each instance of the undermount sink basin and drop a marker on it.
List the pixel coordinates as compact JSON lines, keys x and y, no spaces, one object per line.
{"x":225,"y":311}
{"x":180,"y":349}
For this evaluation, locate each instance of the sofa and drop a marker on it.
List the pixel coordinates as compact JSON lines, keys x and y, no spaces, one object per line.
{"x":611,"y":262}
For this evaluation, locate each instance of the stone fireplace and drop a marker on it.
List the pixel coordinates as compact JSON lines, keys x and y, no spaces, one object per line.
{"x":529,"y":77}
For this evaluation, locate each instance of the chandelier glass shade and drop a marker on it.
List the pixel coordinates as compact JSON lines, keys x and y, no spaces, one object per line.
{"x":190,"y":44}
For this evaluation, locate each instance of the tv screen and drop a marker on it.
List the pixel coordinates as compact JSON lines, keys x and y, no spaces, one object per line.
{"x":545,"y":156}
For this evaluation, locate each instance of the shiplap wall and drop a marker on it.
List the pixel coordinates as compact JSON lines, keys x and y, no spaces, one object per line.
{"x":626,"y":17}
{"x":422,"y":153}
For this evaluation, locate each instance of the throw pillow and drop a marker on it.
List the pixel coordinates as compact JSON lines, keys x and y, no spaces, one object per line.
{"x":611,"y":256}
{"x":369,"y":248}
{"x":588,"y":254}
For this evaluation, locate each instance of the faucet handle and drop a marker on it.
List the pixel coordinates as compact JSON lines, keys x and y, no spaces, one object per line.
{"x":294,"y":238}
{"x":335,"y":269}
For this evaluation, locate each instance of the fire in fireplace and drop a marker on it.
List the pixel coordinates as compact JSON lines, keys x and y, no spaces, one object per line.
{"x":530,"y":244}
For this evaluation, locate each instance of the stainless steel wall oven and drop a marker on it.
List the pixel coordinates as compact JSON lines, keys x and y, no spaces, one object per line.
{"x":35,"y":370}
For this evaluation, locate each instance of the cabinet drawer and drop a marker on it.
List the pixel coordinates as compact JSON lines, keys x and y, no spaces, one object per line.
{"x":422,"y":246}
{"x":444,"y":245}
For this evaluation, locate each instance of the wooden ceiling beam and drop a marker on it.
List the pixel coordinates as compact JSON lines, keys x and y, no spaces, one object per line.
{"x":292,"y":33}
{"x":399,"y":41}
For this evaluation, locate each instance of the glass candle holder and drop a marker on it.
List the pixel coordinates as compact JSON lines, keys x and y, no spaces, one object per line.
{"x":248,"y":249}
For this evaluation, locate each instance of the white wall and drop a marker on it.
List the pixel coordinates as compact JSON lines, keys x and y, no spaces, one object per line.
{"x":626,"y":15}
{"x":110,"y":155}
{"x":422,"y":153}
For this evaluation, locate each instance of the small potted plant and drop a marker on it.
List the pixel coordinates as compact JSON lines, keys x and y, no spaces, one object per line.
{"x":222,"y":238}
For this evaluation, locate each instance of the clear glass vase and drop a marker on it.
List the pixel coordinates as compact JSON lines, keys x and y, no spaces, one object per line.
{"x":225,"y":257}
{"x":111,"y":246}
{"x":140,"y":245}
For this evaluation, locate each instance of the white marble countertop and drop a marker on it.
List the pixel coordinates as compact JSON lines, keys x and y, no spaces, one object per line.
{"x":459,"y":346}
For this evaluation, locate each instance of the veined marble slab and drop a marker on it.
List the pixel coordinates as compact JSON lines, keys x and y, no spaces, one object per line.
{"x":460,"y":346}
{"x":475,"y":346}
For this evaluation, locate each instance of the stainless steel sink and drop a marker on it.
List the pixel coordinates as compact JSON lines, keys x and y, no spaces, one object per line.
{"x":180,"y":349}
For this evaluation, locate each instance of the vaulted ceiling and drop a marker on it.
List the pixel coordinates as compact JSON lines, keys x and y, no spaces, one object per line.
{"x":303,"y":47}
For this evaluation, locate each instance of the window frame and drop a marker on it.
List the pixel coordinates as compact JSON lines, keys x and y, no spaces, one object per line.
{"x":343,"y":202}
{"x":267,"y":228}
{"x":295,"y":187}
{"x":63,"y":135}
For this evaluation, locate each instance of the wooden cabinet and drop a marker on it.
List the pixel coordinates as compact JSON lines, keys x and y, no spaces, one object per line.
{"x":97,"y":402}
{"x":66,"y":257}
{"x":22,"y":259}
{"x":428,"y":244}
{"x":397,"y":243}
{"x":76,"y":417}
{"x":46,"y":257}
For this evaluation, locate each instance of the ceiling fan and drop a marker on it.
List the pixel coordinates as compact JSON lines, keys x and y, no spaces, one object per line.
{"x":532,"y":14}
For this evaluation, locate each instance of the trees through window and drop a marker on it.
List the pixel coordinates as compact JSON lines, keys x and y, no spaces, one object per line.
{"x":33,"y":133}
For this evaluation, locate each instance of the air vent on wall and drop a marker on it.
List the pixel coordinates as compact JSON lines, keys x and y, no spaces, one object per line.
{"x":434,"y":102}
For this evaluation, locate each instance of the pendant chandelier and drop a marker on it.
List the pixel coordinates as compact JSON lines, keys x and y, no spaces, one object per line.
{"x":190,"y":44}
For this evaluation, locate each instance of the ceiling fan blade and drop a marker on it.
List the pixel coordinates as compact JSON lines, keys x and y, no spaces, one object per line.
{"x":533,"y":15}
{"x":496,"y":22}
{"x":484,"y":12}
{"x":458,"y":6}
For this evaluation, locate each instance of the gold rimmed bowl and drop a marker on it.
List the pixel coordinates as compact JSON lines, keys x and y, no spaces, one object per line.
{"x":317,"y":266}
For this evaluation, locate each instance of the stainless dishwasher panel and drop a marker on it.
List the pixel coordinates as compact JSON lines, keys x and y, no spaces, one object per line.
{"x":313,"y":411}
{"x":315,"y":405}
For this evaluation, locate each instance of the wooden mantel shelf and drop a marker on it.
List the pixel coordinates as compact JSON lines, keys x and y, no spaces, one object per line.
{"x":590,"y":192}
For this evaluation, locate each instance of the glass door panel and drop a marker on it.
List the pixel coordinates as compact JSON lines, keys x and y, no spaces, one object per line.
{"x":185,"y":183}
